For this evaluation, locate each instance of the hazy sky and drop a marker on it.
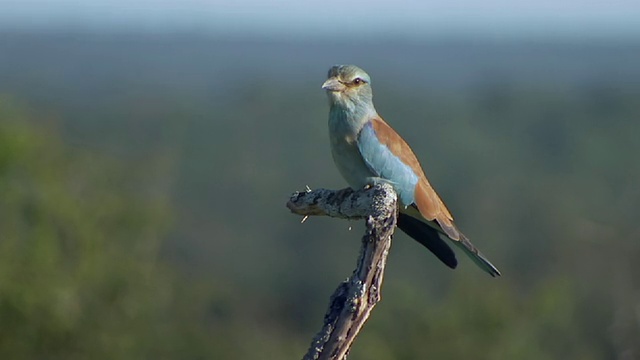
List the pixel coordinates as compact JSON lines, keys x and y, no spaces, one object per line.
{"x":330,"y":17}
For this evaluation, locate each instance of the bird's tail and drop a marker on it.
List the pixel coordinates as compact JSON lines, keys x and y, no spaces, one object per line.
{"x":475,"y":255}
{"x":429,"y":237}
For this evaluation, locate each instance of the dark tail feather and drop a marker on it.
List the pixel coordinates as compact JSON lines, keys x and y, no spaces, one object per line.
{"x":427,"y":236}
{"x":476,"y":256}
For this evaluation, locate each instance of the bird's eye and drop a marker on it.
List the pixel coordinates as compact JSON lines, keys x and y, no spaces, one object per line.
{"x":358,"y":81}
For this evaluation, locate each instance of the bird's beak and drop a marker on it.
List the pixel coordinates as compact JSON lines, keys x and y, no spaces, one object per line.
{"x":332,"y":84}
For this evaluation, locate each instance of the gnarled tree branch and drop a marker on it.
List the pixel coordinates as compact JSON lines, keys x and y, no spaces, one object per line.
{"x":354,"y":299}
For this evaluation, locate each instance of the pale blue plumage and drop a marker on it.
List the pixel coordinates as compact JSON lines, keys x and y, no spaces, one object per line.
{"x":386,"y":165}
{"x":346,"y":154}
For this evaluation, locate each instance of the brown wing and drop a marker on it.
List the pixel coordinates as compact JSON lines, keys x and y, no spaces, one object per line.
{"x":427,"y":201}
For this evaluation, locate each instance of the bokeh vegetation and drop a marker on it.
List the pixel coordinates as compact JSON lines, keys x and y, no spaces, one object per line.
{"x":143,"y":182}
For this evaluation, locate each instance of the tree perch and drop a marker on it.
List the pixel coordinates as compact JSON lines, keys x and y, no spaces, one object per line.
{"x":354,"y":299}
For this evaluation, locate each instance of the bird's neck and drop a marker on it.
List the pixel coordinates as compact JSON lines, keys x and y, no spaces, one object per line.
{"x":349,"y":118}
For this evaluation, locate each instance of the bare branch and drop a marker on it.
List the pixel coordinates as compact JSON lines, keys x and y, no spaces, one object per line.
{"x":354,"y":299}
{"x":375,"y":201}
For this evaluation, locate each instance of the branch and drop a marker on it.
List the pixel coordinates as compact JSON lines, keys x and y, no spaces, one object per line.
{"x":354,"y":299}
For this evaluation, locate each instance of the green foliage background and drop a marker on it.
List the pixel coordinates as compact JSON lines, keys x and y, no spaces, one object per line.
{"x":143,"y":181}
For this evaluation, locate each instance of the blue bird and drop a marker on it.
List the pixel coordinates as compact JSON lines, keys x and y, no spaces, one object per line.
{"x":366,"y":151}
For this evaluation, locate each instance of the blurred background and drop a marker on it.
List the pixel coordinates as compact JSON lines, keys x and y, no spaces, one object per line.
{"x":148,"y":148}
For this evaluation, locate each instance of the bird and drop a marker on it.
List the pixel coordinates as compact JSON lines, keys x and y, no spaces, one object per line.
{"x":367,"y":151}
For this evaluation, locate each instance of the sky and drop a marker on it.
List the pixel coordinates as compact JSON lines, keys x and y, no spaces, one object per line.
{"x":571,"y":18}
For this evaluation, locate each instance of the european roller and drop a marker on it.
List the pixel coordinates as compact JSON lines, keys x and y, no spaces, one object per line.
{"x":366,"y":151}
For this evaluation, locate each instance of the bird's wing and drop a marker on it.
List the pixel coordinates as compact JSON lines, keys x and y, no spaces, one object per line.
{"x":391,"y":158}
{"x":388,"y":156}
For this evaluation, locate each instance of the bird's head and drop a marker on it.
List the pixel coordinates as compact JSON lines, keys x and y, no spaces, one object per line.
{"x":348,"y":86}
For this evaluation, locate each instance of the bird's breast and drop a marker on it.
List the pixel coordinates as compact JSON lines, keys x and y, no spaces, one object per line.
{"x":346,"y":155}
